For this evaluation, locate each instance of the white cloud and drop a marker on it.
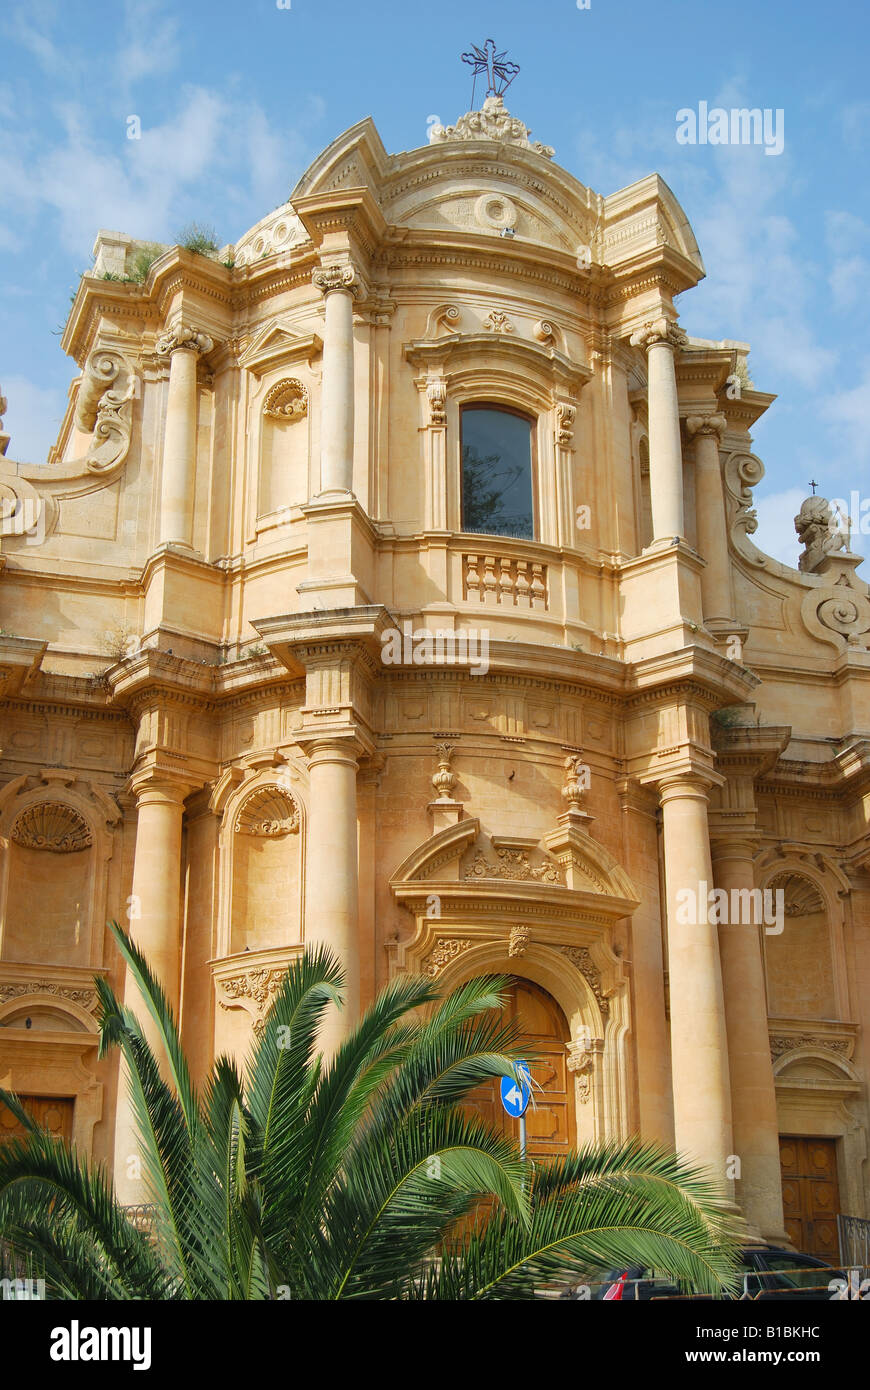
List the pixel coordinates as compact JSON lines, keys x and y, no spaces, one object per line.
{"x":33,"y":419}
{"x":149,"y":42}
{"x":848,"y":238}
{"x":776,"y":535}
{"x":148,"y":189}
{"x":848,"y":410}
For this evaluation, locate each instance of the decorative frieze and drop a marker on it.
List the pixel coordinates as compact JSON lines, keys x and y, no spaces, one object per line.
{"x":512,"y":864}
{"x":85,"y":997}
{"x":497,"y":321}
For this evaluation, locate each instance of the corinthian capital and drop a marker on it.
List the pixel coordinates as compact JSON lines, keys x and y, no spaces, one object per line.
{"x":181,"y":335}
{"x":707,"y":424}
{"x":336,"y":277}
{"x":658,"y":331}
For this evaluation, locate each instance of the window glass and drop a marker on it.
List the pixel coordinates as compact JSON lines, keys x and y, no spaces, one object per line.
{"x":497,"y":473}
{"x":798,"y":1270}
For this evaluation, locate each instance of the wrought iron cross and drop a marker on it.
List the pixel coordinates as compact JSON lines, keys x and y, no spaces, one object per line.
{"x":500,"y":72}
{"x":813,"y":485}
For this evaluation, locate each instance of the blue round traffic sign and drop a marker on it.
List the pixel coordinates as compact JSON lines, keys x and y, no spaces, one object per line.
{"x":516,"y":1095}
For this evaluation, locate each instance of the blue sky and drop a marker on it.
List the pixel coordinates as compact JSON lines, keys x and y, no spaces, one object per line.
{"x":235,"y":99}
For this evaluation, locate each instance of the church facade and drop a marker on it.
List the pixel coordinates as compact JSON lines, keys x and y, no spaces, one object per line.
{"x":391,"y":585}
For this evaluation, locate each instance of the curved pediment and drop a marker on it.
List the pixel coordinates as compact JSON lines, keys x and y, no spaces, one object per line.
{"x":464,"y":859}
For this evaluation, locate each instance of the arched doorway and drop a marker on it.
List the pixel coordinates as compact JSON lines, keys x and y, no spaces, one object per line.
{"x":551,"y":1128}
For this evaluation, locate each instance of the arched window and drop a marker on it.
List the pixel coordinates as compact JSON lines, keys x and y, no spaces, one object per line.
{"x":497,"y":472}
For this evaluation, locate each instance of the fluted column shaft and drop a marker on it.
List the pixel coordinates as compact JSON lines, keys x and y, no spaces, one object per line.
{"x":155,"y":926}
{"x":710,"y":510}
{"x":699,"y":1047}
{"x":661,"y":339}
{"x":338,"y":284}
{"x":332,"y":876}
{"x":182,"y":345}
{"x":753,"y":1095}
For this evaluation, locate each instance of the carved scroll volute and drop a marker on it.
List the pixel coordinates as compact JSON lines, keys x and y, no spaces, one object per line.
{"x":104,"y":409}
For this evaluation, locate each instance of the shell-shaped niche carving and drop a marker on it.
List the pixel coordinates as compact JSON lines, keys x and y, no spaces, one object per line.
{"x":287,"y":400}
{"x":53,"y":826}
{"x":270,"y":810}
{"x":801,"y":897}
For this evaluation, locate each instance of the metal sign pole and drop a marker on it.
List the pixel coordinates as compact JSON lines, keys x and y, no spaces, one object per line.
{"x":523,"y":1137}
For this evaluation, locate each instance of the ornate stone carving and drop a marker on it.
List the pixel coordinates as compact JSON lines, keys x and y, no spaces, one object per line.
{"x":576,"y":779}
{"x":436,"y":395}
{"x":182,"y":335}
{"x":492,"y":122}
{"x":790,"y":1042}
{"x":444,"y":779}
{"x":446,"y":949}
{"x":54,"y":826}
{"x":269,"y":811}
{"x":513,"y":864}
{"x":86,"y":998}
{"x":518,"y":940}
{"x":801,"y":897}
{"x":336,"y":277}
{"x":707,"y":424}
{"x":746,"y":472}
{"x":497,"y":321}
{"x":818,"y":532}
{"x":544,"y":331}
{"x":257,"y":985}
{"x":659,"y":330}
{"x":580,"y":1061}
{"x":565,"y":416}
{"x":494,"y":212}
{"x":579,"y":956}
{"x":103,"y":409}
{"x":287,"y":400}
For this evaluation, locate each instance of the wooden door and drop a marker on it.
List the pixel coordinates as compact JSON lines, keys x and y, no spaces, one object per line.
{"x":810,"y":1194}
{"x":550,"y":1125}
{"x":54,"y":1113}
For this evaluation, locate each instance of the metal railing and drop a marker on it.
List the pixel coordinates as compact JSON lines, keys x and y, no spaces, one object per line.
{"x":854,"y":1237}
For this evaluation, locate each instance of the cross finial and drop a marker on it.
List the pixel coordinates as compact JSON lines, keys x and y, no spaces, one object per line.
{"x":500,"y":72}
{"x":813,"y":485}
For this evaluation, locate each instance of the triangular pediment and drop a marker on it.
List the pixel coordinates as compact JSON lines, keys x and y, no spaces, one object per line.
{"x":276,"y":345}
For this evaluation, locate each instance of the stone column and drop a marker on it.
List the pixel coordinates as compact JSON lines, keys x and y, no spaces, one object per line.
{"x":338,"y":283}
{"x":753,"y":1096}
{"x":155,"y":926}
{"x":661,"y":339}
{"x":183,"y":345}
{"x":331,"y":872}
{"x":710,"y":507}
{"x":699,"y":1047}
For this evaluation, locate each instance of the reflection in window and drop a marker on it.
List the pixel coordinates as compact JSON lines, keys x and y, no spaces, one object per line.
{"x":497,"y":472}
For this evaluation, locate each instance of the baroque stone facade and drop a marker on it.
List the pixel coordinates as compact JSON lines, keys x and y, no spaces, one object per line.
{"x":260,"y":477}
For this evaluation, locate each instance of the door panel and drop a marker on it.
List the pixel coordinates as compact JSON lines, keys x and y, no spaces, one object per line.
{"x":550,"y":1126}
{"x":54,"y":1113}
{"x":810,"y":1194}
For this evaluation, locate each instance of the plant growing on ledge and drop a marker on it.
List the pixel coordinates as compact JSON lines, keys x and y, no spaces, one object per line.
{"x":199,"y":238}
{"x":344,"y":1179}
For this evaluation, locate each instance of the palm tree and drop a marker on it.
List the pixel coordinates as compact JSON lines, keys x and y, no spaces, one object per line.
{"x":357,"y":1178}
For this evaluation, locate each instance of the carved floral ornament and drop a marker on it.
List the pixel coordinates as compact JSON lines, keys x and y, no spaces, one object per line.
{"x":86,"y":998}
{"x":492,"y":122}
{"x":512,"y":864}
{"x":791,"y":1042}
{"x":53,"y":826}
{"x":253,"y":989}
{"x":287,"y":400}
